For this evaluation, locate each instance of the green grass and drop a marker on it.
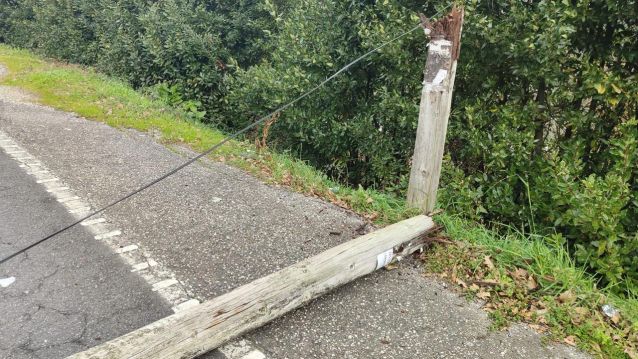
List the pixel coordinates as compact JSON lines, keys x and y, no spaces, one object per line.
{"x":101,"y":98}
{"x":553,"y":272}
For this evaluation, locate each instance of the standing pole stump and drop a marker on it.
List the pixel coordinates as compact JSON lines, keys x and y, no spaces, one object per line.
{"x":434,"y":110}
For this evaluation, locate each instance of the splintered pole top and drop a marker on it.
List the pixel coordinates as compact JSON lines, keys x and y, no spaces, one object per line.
{"x":447,"y":27}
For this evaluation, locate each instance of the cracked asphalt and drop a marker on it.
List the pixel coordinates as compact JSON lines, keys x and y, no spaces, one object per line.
{"x":215,"y":245}
{"x":70,"y":294}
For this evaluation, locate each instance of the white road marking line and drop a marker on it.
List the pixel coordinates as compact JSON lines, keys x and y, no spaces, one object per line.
{"x":63,"y":194}
{"x":80,"y":210}
{"x":108,"y":235}
{"x":5,"y":282}
{"x":57,"y":189}
{"x":241,"y":350}
{"x":164,"y":284}
{"x":255,"y":354}
{"x":144,"y":265}
{"x":72,"y":205}
{"x":129,"y":248}
{"x":185,"y":305}
{"x":48,"y":180}
{"x":92,"y":221}
{"x":31,"y":164}
{"x":67,"y":199}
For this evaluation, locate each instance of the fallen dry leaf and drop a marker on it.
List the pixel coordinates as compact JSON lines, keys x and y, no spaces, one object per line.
{"x":488,"y":263}
{"x":487,"y":282}
{"x":474,"y":288}
{"x":616,"y":318}
{"x":541,"y":320}
{"x":570,"y":340}
{"x":483,"y":295}
{"x":371,"y":216}
{"x":519,"y":274}
{"x":541,"y":312}
{"x":631,"y":353}
{"x":595,"y":347}
{"x":581,"y":311}
{"x":391,"y":266}
{"x":286,"y":179}
{"x":460,"y":282}
{"x":527,"y":315}
{"x":538,"y":328}
{"x":567,"y":297}
{"x":581,"y":315}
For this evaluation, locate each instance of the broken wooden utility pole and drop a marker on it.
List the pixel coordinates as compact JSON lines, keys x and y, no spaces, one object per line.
{"x":434,"y":111}
{"x":200,"y":329}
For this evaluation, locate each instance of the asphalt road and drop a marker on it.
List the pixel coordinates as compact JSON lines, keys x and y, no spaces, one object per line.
{"x":70,"y":293}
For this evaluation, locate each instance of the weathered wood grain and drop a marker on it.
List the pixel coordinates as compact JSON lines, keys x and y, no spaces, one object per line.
{"x":200,"y":329}
{"x":434,"y":110}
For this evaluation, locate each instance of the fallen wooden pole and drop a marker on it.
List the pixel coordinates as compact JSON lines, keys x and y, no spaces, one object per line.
{"x":205,"y":327}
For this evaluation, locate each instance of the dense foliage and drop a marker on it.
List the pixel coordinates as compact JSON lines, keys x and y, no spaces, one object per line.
{"x":544,"y":131}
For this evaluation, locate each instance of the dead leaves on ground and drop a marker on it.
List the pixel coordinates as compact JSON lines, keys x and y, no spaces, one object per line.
{"x":570,"y":340}
{"x":514,"y":293}
{"x":567,"y":297}
{"x":487,"y":261}
{"x":503,"y":290}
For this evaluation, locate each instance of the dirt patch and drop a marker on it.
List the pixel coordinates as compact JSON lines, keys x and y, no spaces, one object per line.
{"x":14,"y":94}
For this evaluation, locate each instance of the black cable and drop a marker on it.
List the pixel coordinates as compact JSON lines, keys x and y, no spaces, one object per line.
{"x":214,"y":147}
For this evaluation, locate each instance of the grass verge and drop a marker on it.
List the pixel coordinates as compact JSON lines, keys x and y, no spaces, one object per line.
{"x":533,"y":280}
{"x":522,"y":278}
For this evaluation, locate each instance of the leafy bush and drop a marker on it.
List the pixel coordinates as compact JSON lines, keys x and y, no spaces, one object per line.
{"x":544,"y":129}
{"x":360,"y":128}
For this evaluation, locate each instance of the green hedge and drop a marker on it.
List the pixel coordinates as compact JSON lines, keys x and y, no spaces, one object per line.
{"x":543,"y":134}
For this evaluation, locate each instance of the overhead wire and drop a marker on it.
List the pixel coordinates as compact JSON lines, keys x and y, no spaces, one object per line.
{"x":219,"y":144}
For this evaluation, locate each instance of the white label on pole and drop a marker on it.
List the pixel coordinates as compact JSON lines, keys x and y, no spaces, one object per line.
{"x":440,"y":76}
{"x":384,"y":258}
